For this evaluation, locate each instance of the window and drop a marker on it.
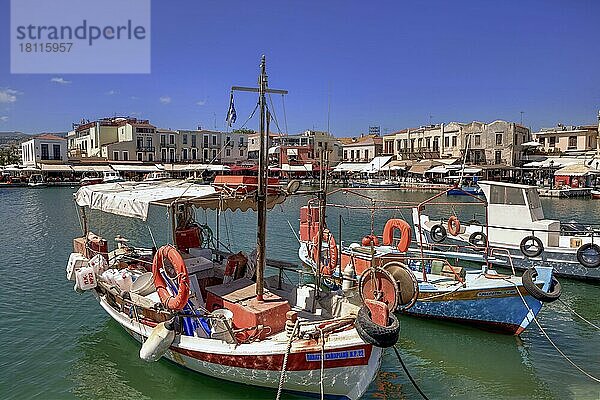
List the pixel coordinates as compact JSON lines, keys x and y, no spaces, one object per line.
{"x":205,"y":153}
{"x":150,"y":156}
{"x":454,"y":141}
{"x":497,"y":157}
{"x":171,"y":139}
{"x":184,"y":154}
{"x":241,"y":140}
{"x":163,"y":155}
{"x":184,"y":139}
{"x":352,"y":154}
{"x":125,"y":156}
{"x":436,"y":144}
{"x":428,"y":143}
{"x":228,"y":152}
{"x":477,"y":140}
{"x":366,"y":154}
{"x":205,"y":141}
{"x":194,"y":153}
{"x":552,"y":141}
{"x":116,"y":155}
{"x":56,"y":151}
{"x":345,"y":154}
{"x":542,"y":141}
{"x":172,"y":155}
{"x":214,"y":140}
{"x":194,"y":141}
{"x":420,"y":143}
{"x":140,"y":156}
{"x":163,"y":139}
{"x":149,"y":142}
{"x":446,"y":141}
{"x":572,"y":142}
{"x":45,"y":153}
{"x":140,"y":142}
{"x":498,"y":139}
{"x":506,"y":195}
{"x":214,"y":153}
{"x":241,"y":153}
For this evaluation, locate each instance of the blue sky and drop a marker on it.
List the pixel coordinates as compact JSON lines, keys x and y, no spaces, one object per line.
{"x":395,"y":64}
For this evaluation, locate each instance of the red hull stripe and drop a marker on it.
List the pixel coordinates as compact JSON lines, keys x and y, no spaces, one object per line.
{"x":299,"y":361}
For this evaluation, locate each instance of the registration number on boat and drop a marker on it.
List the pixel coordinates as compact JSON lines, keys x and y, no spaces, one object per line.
{"x":496,"y":293}
{"x":336,"y":355}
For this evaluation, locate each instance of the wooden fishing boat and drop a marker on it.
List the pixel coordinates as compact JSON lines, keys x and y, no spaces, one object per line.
{"x":215,"y":312}
{"x":478,"y":296}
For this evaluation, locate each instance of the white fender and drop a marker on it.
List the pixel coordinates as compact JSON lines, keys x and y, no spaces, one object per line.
{"x":158,"y":342}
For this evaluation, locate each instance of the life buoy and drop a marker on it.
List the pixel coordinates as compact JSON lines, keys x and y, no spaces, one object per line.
{"x":453,"y":225}
{"x":370,"y":239}
{"x":438,"y":233}
{"x":327,"y":266}
{"x":531,"y":246}
{"x":405,"y":234}
{"x":177,"y":302}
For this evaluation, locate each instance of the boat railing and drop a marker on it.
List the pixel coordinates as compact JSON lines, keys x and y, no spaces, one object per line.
{"x":504,"y":253}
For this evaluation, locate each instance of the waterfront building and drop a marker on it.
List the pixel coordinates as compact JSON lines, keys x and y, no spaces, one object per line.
{"x":87,"y":137}
{"x":361,"y":149}
{"x":564,"y":139}
{"x":301,"y":153}
{"x":44,"y":148}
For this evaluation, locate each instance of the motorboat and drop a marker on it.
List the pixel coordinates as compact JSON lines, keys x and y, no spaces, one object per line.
{"x":90,"y":178}
{"x":111,"y":177}
{"x":516,"y":223}
{"x":36,"y":180}
{"x":157,"y":176}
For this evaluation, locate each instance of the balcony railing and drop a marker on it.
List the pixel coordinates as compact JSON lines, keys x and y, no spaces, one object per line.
{"x":146,"y":148}
{"x":168,"y":145}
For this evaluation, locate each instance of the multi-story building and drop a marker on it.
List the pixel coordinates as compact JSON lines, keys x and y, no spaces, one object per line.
{"x":361,"y":149}
{"x":43,"y":148}
{"x":304,"y":149}
{"x":135,"y":141}
{"x":568,"y":139}
{"x":235,"y":147}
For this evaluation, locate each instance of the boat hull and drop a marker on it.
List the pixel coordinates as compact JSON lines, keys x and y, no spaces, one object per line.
{"x":497,"y":309}
{"x":348,"y":369}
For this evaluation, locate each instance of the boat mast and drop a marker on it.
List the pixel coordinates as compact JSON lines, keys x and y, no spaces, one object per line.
{"x":261,"y":196}
{"x":262,"y":190}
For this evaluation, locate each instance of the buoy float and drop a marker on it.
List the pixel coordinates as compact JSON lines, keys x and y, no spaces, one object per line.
{"x":405,"y":234}
{"x":159,"y":341}
{"x":453,"y":225}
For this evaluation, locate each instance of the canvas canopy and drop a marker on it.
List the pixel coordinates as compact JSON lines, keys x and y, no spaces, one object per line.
{"x":350,"y":167}
{"x":133,"y":199}
{"x":91,"y":168}
{"x":297,"y":168}
{"x":376,"y":164}
{"x":135,"y":168}
{"x":56,"y":168}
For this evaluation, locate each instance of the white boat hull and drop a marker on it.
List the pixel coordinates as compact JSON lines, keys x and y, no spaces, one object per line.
{"x":349,"y":367}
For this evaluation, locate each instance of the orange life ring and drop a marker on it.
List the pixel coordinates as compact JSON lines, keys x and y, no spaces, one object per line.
{"x":370,"y":239}
{"x":405,"y":234}
{"x":453,"y":225}
{"x":326,"y":268}
{"x":178,"y":302}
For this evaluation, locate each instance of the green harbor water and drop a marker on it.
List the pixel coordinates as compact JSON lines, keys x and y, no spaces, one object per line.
{"x":56,"y":343}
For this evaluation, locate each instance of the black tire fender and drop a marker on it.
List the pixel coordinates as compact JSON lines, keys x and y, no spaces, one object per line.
{"x":478,"y":239}
{"x":526,"y":249}
{"x":588,"y":255}
{"x":377,"y":335}
{"x":536,"y":292}
{"x":438,"y":233}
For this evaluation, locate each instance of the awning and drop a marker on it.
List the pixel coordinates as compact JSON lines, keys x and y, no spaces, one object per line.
{"x":195,"y":167}
{"x":531,"y":144}
{"x":556,"y":162}
{"x":394,"y":166}
{"x":438,"y":169}
{"x":91,"y":168}
{"x":376,"y":164}
{"x":574,"y":170}
{"x":274,"y":150}
{"x":56,"y":168}
{"x":297,"y":168}
{"x":133,"y":199}
{"x":350,"y":167}
{"x":292,"y":152}
{"x":135,"y":168}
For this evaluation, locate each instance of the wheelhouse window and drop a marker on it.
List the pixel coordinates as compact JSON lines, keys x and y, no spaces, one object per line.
{"x":507,"y":196}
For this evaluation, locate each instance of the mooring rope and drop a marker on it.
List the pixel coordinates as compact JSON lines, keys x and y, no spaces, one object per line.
{"x":285,"y":360}
{"x":322,"y":363}
{"x":409,"y":375}
{"x":580,"y":316}
{"x":550,"y":340}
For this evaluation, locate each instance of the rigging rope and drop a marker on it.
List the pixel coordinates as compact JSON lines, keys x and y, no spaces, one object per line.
{"x":409,"y":375}
{"x":550,"y":340}
{"x":575,"y":312}
{"x":284,"y":114}
{"x":285,"y":359}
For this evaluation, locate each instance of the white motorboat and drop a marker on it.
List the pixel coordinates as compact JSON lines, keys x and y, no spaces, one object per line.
{"x":111,"y":177}
{"x":157,"y":176}
{"x":516,"y":223}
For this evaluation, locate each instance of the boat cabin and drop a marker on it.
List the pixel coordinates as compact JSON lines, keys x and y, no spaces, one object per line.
{"x":518,"y":208}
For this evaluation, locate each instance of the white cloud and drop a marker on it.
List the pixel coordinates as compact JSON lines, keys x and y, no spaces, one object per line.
{"x":4,"y":118}
{"x":62,"y":81}
{"x":8,"y":96}
{"x":111,"y":92}
{"x":201,"y":103}
{"x":165,"y":99}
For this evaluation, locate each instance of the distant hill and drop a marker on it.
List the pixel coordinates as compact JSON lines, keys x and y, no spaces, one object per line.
{"x":8,"y":138}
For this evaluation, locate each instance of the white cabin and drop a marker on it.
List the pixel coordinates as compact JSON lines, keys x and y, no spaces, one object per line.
{"x":518,"y":207}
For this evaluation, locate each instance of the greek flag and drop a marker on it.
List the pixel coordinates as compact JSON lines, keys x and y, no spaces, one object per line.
{"x":231,"y":116}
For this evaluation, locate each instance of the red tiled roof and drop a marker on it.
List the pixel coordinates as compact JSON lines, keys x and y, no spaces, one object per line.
{"x":49,"y":136}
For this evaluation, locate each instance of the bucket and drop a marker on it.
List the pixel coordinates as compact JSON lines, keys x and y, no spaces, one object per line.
{"x":144,"y":284}
{"x":220,"y":324}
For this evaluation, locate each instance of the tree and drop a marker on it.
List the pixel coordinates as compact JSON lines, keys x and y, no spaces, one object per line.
{"x":10,"y":155}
